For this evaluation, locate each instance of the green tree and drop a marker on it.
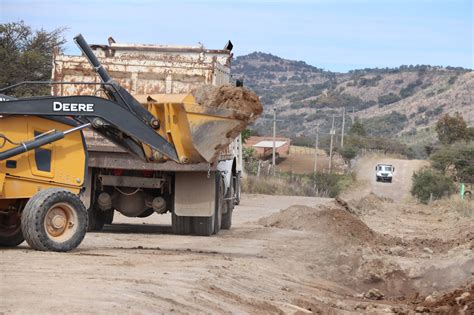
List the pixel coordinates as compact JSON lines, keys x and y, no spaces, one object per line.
{"x":427,"y":182}
{"x":451,"y":129}
{"x":456,"y":159}
{"x":246,"y":134}
{"x":358,"y":128}
{"x":348,"y":152}
{"x":26,"y":55}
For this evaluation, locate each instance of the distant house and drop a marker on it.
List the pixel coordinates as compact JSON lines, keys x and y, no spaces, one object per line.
{"x":263,"y":146}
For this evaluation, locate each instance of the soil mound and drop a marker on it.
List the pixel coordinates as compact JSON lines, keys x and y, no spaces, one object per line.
{"x":333,"y":221}
{"x":239,"y":99}
{"x":371,"y":202}
{"x":459,"y":301}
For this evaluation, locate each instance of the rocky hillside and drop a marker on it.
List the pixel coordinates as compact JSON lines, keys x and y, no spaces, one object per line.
{"x":402,"y":101}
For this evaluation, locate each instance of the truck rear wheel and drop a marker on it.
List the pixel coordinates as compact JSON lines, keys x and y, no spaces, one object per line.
{"x":96,"y":218}
{"x":10,"y":230}
{"x":109,"y":216}
{"x":237,"y":189}
{"x":181,"y":225}
{"x":55,"y":220}
{"x":203,"y":226}
{"x":227,"y":215}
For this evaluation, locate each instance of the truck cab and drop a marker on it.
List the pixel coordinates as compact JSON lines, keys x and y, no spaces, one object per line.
{"x":384,"y":172}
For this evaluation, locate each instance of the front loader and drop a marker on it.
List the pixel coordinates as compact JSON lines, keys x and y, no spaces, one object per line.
{"x":43,"y":157}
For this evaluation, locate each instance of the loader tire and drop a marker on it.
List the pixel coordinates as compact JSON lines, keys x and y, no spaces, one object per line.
{"x":10,"y":231}
{"x":227,"y":215}
{"x":54,"y":220}
{"x":181,"y":225}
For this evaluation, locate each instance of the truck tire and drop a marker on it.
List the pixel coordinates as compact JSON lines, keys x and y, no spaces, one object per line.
{"x":227,"y":216}
{"x":109,"y":216}
{"x":181,"y":225}
{"x":10,"y":231}
{"x":54,"y":220}
{"x":96,"y":219}
{"x":203,"y":226}
{"x":237,"y":189}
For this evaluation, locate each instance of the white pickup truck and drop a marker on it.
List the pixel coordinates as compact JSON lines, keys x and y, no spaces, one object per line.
{"x":384,"y":172}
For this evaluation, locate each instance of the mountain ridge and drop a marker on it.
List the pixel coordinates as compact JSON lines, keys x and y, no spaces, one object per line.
{"x":400,"y":101}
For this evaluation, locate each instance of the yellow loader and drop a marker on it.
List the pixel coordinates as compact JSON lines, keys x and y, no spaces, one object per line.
{"x":43,"y":157}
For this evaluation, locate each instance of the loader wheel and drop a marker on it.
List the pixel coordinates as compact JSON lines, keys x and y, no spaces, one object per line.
{"x":181,"y":225}
{"x":55,"y":220}
{"x":10,"y":230}
{"x":227,"y":216}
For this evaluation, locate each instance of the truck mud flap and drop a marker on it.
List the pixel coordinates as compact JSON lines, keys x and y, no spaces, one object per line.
{"x":194,"y":194}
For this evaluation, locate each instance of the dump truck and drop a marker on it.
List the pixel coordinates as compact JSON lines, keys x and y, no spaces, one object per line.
{"x":188,"y":90}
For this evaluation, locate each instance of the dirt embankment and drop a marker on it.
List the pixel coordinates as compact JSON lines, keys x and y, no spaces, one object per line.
{"x":389,"y":267}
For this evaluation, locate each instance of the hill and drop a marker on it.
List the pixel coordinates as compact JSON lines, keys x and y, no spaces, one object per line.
{"x":403,"y":102}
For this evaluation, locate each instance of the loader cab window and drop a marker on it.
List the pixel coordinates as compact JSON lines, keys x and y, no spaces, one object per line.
{"x":42,"y":158}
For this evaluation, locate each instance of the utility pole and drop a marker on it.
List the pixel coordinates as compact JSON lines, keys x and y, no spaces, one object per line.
{"x":343,"y":123}
{"x":330,"y":146}
{"x":274,"y":142}
{"x":316,"y":148}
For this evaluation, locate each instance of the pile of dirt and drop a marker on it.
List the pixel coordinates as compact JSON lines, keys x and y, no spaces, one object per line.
{"x":246,"y":103}
{"x":334,"y":221}
{"x":371,"y":202}
{"x":459,"y":301}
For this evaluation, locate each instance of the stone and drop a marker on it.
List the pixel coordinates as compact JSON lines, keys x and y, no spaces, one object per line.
{"x":374,"y":294}
{"x":398,"y":251}
{"x":460,"y":299}
{"x":428,"y":250}
{"x":422,"y":309}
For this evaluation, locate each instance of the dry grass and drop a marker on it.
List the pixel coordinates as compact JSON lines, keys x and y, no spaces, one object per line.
{"x":294,"y":149}
{"x":276,"y":186}
{"x":321,"y":185}
{"x":454,"y":203}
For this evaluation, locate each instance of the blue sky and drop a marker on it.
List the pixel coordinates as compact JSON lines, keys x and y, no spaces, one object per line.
{"x":336,"y":35}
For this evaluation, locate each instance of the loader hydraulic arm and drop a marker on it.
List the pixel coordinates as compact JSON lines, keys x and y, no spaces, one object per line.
{"x":107,"y":117}
{"x":121,"y":118}
{"x":113,"y":90}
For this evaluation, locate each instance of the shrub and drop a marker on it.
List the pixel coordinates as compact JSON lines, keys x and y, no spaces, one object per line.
{"x":427,"y":182}
{"x":409,"y":90}
{"x":451,"y":129}
{"x":388,"y":99}
{"x":452,"y":79}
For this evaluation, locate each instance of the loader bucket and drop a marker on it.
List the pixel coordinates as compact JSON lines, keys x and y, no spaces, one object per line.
{"x":199,"y":133}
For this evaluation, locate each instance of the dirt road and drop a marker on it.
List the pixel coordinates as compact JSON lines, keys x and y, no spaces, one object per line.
{"x":399,"y":189}
{"x":310,"y":258}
